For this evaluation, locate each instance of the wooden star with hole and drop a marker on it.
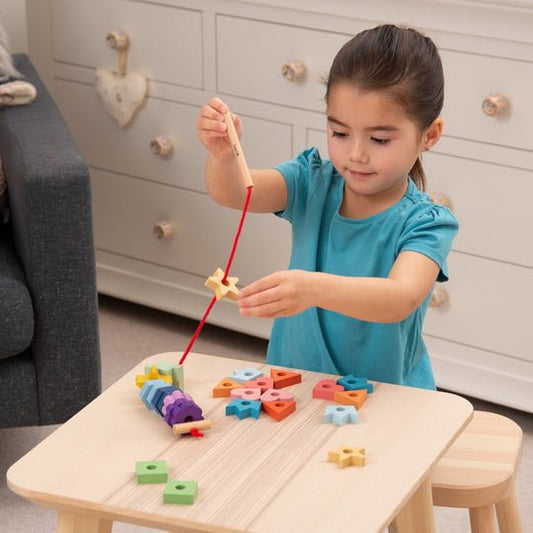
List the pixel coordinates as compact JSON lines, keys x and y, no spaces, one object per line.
{"x":223,"y":288}
{"x":346,"y":456}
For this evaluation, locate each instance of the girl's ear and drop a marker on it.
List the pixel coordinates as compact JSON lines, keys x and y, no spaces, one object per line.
{"x":432,"y":134}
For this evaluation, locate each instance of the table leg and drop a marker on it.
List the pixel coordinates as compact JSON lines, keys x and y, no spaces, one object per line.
{"x":78,"y":523}
{"x":417,"y":515}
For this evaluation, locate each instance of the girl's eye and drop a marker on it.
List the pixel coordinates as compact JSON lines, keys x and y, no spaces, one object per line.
{"x":338,"y":134}
{"x":379,"y":141}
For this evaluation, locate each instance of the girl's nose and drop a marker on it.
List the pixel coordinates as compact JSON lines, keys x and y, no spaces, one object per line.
{"x":358,"y":153}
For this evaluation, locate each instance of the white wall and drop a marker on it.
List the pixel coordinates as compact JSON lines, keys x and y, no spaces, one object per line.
{"x":13,"y":19}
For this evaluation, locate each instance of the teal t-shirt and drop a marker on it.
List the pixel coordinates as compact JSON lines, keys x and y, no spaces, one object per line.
{"x":325,"y":241}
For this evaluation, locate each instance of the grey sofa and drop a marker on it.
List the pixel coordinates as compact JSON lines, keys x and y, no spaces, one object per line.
{"x":49,"y":346}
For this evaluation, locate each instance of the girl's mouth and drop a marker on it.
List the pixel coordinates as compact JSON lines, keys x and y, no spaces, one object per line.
{"x":357,"y":174}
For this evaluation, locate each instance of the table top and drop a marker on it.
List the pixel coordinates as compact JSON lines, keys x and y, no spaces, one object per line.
{"x":253,"y":475}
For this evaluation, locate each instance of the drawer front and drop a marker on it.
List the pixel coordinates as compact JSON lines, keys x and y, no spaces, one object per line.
{"x":251,"y":55}
{"x":492,"y":203}
{"x":165,"y":41}
{"x":488,"y":307}
{"x":125,"y":211}
{"x":469,"y":79}
{"x":104,"y":145}
{"x":482,"y":374}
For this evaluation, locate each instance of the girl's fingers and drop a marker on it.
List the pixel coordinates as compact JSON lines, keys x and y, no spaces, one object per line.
{"x":262,"y":284}
{"x":217,"y":104}
{"x":269,"y":310}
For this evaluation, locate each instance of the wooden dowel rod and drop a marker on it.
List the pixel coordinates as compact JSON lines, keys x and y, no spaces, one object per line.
{"x":187,"y":426}
{"x":237,"y":150}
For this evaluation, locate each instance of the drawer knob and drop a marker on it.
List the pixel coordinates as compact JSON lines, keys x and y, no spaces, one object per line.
{"x":438,"y":298}
{"x":494,"y":104}
{"x":441,"y":199}
{"x":293,"y":71}
{"x":163,"y":229}
{"x":118,"y":39}
{"x":161,"y":145}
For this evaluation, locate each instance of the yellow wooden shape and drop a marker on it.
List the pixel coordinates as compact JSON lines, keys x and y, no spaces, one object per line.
{"x":141,"y":379}
{"x":223,"y":289}
{"x":346,"y":456}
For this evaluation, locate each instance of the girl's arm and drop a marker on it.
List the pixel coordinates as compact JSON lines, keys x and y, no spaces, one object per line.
{"x":224,"y":181}
{"x":390,"y":299}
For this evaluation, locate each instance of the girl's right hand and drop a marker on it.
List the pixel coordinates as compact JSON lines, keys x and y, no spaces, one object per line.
{"x":212,"y":130}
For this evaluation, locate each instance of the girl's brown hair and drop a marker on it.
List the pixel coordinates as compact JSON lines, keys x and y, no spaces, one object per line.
{"x":403,"y":63}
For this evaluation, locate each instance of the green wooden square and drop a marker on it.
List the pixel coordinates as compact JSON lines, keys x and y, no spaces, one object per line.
{"x":151,"y":472}
{"x":183,"y":492}
{"x":170,"y":369}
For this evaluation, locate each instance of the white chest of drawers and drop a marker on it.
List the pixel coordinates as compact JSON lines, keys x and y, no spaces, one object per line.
{"x":480,"y":339}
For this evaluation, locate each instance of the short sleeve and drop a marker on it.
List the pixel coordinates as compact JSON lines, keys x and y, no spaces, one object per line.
{"x":431,"y":232}
{"x":296,"y":173}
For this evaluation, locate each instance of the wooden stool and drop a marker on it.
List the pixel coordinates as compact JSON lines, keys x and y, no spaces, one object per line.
{"x":478,"y":473}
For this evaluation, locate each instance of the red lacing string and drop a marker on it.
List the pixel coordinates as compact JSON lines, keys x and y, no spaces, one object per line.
{"x":226,"y":272}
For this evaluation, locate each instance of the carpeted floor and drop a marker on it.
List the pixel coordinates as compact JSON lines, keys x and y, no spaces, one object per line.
{"x":128,"y":334}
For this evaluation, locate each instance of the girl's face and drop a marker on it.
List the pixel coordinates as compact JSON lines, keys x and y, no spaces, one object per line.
{"x":373,"y":145}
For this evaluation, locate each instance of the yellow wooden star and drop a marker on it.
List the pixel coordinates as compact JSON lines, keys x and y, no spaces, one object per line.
{"x":345,"y":456}
{"x":223,"y":289}
{"x":153,"y":373}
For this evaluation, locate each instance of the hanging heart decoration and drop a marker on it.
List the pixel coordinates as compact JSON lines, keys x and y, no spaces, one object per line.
{"x":122,"y":94}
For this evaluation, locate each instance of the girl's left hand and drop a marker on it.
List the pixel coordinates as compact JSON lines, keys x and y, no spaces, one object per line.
{"x":283,"y":293}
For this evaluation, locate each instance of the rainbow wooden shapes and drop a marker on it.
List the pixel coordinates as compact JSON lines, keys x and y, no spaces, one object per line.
{"x":152,"y":374}
{"x":168,"y":372}
{"x":166,"y":400}
{"x":252,"y":393}
{"x":181,"y":492}
{"x":166,"y":368}
{"x":347,"y":456}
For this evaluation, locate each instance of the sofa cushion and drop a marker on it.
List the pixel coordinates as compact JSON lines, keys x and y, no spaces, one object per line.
{"x":16,"y":309}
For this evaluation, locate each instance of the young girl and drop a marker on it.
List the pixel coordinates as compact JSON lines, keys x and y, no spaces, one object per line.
{"x":368,"y":245}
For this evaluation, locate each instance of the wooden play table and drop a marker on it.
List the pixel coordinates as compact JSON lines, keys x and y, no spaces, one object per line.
{"x":253,"y":475}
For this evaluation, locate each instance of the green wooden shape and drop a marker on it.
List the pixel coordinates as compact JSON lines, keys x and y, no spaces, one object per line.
{"x":151,"y":472}
{"x":178,"y":378}
{"x":183,"y":492}
{"x":170,"y":369}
